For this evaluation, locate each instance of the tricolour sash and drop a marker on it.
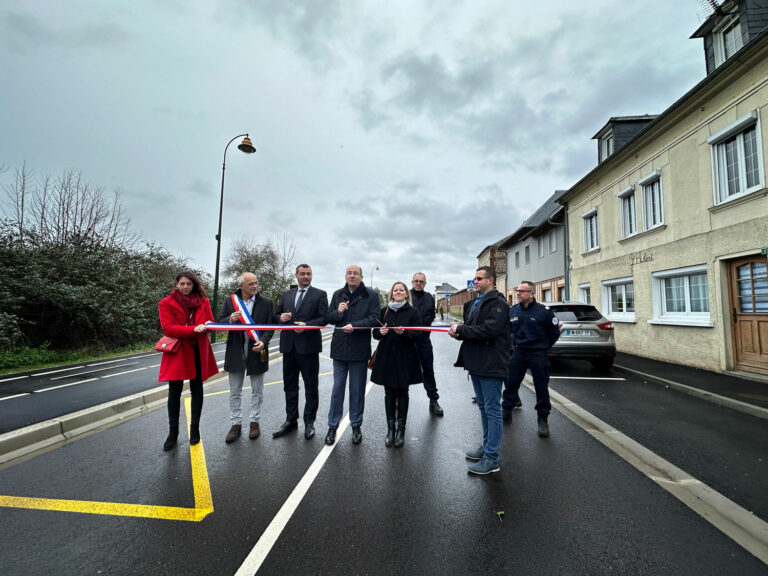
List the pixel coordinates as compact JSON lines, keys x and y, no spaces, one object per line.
{"x":245,"y":317}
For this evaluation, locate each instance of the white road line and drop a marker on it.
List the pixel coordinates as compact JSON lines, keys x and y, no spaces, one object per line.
{"x":739,"y":524}
{"x":583,"y":378}
{"x":108,"y":362}
{"x":64,"y":385}
{"x":256,"y":557}
{"x":121,"y":373}
{"x":57,"y":371}
{"x":14,"y":378}
{"x":15,"y":396}
{"x":92,"y":371}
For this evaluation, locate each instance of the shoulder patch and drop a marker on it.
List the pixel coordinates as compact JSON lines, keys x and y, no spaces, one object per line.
{"x":555,"y":321}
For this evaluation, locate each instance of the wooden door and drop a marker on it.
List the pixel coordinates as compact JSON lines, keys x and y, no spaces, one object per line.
{"x":749,"y":313}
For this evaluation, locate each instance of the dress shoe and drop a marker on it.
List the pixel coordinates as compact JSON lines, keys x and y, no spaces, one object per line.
{"x":170,"y":442}
{"x":285,"y":428}
{"x":506,"y":415}
{"x":330,"y":438}
{"x":233,"y":434}
{"x":255,"y":431}
{"x":543,"y":428}
{"x":194,"y":434}
{"x":357,"y":435}
{"x":309,"y":431}
{"x":435,"y":408}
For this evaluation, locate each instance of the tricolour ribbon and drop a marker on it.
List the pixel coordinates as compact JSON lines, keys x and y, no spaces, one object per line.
{"x":254,"y":327}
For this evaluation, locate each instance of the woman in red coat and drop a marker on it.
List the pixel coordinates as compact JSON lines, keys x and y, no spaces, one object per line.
{"x":183,"y":315}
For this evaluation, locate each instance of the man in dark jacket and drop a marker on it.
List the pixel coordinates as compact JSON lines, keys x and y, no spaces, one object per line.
{"x":484,"y":353}
{"x":353,"y":306}
{"x":302,"y":306}
{"x":246,"y":351}
{"x":424,"y":303}
{"x":533,"y":329}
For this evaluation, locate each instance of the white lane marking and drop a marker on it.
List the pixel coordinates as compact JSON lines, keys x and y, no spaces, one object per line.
{"x":583,"y":378}
{"x":743,"y":527}
{"x":92,"y":371}
{"x":108,"y":362}
{"x":154,"y":366}
{"x":141,"y":356}
{"x":57,"y":371}
{"x":14,"y":378}
{"x":15,"y":396}
{"x":65,"y":385}
{"x":121,"y":373}
{"x":256,"y":557}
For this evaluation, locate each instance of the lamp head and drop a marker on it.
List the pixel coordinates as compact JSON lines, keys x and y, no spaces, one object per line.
{"x":246,"y":146}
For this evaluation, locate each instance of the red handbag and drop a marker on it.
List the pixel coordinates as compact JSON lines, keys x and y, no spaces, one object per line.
{"x":168,"y":344}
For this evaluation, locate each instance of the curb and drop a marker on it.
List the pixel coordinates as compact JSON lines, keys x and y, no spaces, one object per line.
{"x":18,"y":443}
{"x":724,"y":401}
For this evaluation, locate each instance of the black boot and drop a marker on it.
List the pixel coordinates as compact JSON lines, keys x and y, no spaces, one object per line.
{"x":194,"y":434}
{"x":400,"y":434}
{"x":390,"y":433}
{"x":173,"y":435}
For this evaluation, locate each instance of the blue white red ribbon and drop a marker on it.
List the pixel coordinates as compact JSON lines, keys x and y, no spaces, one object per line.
{"x":254,"y":327}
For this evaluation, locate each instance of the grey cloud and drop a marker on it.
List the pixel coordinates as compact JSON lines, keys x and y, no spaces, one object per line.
{"x":24,"y":32}
{"x":363,"y":103}
{"x":200,"y":187}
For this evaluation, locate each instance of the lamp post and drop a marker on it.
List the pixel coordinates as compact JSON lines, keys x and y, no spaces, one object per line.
{"x":374,"y":267}
{"x":247,"y":147}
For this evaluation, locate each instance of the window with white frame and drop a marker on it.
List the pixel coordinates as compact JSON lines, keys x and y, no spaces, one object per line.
{"x":628,"y":212}
{"x":681,"y":296}
{"x":727,"y":39}
{"x":606,"y":145}
{"x":619,"y":299}
{"x":737,"y":159}
{"x":540,"y":246}
{"x":528,"y":254}
{"x":591,"y":233}
{"x":517,"y":259}
{"x":653,"y":201}
{"x":552,"y":240}
{"x":585,"y":293}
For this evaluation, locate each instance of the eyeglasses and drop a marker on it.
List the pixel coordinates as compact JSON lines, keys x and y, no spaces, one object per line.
{"x":523,"y":291}
{"x":418,"y":281}
{"x":478,"y":278}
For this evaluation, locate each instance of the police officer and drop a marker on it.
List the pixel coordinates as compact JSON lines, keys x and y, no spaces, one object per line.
{"x":533,"y":330}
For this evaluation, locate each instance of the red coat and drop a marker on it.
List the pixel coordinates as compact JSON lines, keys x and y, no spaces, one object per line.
{"x":181,"y":365}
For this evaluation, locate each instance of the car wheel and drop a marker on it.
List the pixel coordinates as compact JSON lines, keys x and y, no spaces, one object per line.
{"x":602,"y":364}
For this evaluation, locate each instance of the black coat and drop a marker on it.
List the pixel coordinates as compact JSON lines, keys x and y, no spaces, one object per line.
{"x":424,"y":303}
{"x":485,"y":338}
{"x":363,"y":311}
{"x":397,"y":359}
{"x":262,"y":313}
{"x":313,"y":311}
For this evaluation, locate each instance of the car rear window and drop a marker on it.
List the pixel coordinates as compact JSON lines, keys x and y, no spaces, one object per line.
{"x":576,"y":313}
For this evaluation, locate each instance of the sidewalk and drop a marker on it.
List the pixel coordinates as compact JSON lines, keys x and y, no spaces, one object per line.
{"x":744,"y":392}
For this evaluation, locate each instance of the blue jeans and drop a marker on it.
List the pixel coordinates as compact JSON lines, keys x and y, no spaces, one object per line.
{"x":488,"y":395}
{"x":358,"y":371}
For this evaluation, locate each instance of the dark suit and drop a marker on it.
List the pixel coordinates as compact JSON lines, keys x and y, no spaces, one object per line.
{"x":301,"y":351}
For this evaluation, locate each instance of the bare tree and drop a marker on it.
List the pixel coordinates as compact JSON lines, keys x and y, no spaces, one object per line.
{"x":286,"y":254}
{"x":262,"y":259}
{"x":16,"y":197}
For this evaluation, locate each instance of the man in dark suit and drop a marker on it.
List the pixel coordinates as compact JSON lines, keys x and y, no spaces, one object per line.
{"x":244,"y":354}
{"x":302,"y":306}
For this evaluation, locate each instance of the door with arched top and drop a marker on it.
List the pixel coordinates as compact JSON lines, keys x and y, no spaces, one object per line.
{"x":749,"y":313}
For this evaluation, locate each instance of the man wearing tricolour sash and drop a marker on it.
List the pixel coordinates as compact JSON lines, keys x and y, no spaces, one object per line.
{"x":247,"y":351}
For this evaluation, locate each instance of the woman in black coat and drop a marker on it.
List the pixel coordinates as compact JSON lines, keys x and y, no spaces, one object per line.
{"x":397,"y":364}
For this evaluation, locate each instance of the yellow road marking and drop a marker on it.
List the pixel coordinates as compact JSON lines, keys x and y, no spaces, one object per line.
{"x":200,"y":483}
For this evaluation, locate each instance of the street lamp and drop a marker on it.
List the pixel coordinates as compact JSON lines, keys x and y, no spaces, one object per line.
{"x":372,"y":269}
{"x":247,"y":147}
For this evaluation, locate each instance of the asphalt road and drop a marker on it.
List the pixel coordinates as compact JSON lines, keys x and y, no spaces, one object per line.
{"x":292,"y":506}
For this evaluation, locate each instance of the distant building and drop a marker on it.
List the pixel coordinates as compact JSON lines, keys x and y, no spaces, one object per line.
{"x":495,"y":257}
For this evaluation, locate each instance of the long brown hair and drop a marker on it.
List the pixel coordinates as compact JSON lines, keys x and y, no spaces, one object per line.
{"x":197,"y":286}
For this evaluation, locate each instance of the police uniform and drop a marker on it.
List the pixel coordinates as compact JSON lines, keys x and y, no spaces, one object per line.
{"x":533,"y":331}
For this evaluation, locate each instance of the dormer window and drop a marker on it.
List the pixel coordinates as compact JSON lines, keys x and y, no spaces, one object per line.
{"x":606,"y":146}
{"x":727,"y":39}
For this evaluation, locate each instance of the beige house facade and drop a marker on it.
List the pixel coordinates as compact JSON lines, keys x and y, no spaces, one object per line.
{"x":668,"y":236}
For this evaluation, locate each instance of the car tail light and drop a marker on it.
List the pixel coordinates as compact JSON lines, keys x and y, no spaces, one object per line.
{"x":606,"y":326}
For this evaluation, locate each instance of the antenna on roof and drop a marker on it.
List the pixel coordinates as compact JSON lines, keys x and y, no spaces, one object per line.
{"x":708,"y":7}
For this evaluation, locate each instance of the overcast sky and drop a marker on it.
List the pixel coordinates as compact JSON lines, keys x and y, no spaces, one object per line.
{"x":404,"y":135}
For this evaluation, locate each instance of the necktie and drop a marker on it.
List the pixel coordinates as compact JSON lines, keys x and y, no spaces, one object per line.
{"x":474,"y":307}
{"x":301,"y":297}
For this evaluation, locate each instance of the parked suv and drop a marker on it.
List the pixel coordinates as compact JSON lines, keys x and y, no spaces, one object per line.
{"x":584,"y":334}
